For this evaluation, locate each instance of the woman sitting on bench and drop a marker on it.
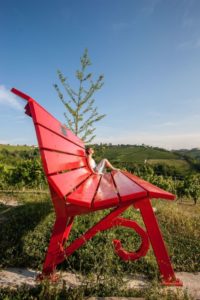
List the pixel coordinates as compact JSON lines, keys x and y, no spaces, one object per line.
{"x":100,"y":167}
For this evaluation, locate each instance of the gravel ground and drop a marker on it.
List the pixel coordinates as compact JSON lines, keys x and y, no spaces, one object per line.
{"x":15,"y":277}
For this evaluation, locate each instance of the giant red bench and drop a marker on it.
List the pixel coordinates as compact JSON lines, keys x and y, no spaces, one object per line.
{"x":76,"y":190}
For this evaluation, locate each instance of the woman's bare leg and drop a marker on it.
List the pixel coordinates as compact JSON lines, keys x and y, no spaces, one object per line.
{"x":109,"y":165}
{"x":103,"y":164}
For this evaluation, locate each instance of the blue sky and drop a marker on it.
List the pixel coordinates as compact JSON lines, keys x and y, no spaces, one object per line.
{"x":148,"y":51}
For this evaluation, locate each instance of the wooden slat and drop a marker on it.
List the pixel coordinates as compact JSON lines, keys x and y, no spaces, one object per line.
{"x":127,"y":189}
{"x":56,"y":162}
{"x":106,"y":193}
{"x":153,"y":191}
{"x":84,"y":194}
{"x":48,"y":139}
{"x":66,"y":182}
{"x":41,"y":116}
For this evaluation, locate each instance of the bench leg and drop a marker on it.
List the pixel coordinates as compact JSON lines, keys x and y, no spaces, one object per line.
{"x":157,"y":243}
{"x":61,"y":231}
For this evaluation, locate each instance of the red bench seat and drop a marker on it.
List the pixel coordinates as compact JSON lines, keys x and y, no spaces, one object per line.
{"x":76,"y":189}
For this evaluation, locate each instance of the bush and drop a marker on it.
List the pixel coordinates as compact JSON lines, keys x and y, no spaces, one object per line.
{"x":27,"y":173}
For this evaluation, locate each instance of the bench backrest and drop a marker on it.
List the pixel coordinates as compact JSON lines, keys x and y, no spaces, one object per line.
{"x":63,"y":153}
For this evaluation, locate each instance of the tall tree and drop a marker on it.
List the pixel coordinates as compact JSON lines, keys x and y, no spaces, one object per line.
{"x":81,"y":113}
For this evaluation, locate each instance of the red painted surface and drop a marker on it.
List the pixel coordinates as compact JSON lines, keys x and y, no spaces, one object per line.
{"x":144,"y":237}
{"x":84,"y":194}
{"x":76,"y":190}
{"x":157,"y":242}
{"x":65,"y":183}
{"x":153,"y":191}
{"x":127,"y":188}
{"x":42,"y":117}
{"x":56,"y":161}
{"x":106,"y":193}
{"x":21,"y":94}
{"x":52,"y":141}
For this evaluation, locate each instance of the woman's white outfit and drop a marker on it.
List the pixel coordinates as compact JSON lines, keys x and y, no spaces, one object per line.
{"x":98,"y":168}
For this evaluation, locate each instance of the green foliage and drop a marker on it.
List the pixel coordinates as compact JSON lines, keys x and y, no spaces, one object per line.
{"x":81,"y":113}
{"x":13,"y":148}
{"x":4,"y":174}
{"x":192,"y":187}
{"x":21,"y":169}
{"x":27,"y":173}
{"x":12,"y":154}
{"x":192,"y":153}
{"x":17,"y":248}
{"x":180,"y":227}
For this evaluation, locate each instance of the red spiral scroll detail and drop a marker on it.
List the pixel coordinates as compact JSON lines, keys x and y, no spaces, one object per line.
{"x":125,"y":255}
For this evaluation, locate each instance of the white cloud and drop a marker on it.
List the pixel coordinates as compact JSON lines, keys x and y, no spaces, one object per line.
{"x":7,"y":98}
{"x":170,"y":141}
{"x":190,"y":44}
{"x":4,"y":142}
{"x":154,"y":113}
{"x":188,"y":22}
{"x":150,"y":6}
{"x":190,"y":19}
{"x":167,"y":124}
{"x":120,"y":26}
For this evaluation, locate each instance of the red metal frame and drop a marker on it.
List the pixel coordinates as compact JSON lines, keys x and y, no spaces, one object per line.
{"x":87,"y":192}
{"x":157,"y":243}
{"x":57,"y":253}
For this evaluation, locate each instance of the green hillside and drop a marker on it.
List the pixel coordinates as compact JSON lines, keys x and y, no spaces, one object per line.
{"x":120,"y":155}
{"x":13,"y":148}
{"x":163,"y":161}
{"x":137,"y":154}
{"x":126,"y":153}
{"x":193,"y":153}
{"x":179,"y":164}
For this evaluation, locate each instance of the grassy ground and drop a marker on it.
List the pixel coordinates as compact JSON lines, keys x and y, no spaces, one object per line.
{"x":48,"y":291}
{"x":25,"y":232}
